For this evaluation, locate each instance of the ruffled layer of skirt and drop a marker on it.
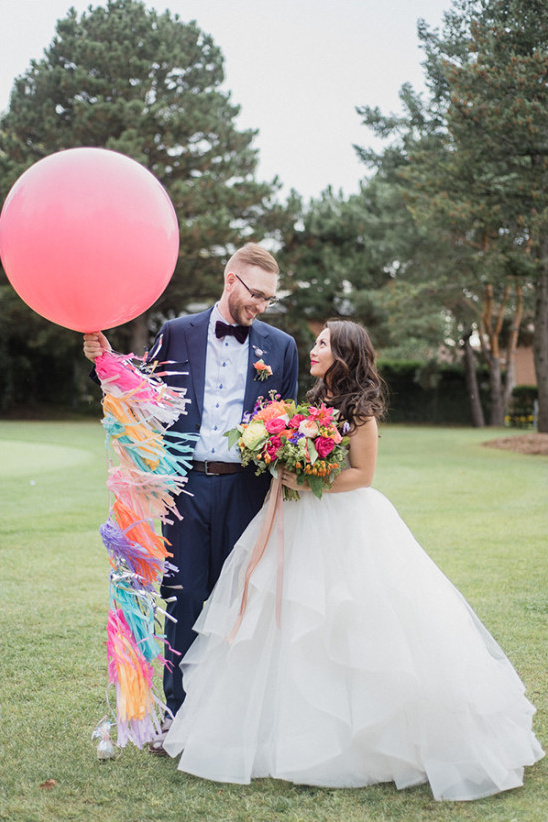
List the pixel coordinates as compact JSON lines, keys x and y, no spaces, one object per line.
{"x":380,"y":670}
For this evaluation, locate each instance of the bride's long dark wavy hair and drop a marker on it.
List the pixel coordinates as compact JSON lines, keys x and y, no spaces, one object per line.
{"x":352,"y":383}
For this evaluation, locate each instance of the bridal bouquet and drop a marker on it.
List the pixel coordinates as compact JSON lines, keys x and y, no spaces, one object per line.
{"x":304,"y":438}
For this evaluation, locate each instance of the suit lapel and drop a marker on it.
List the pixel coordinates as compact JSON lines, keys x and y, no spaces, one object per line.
{"x":259,"y":343}
{"x":197,"y":348}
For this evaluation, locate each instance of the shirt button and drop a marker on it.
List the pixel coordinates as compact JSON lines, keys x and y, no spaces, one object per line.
{"x":220,"y":386}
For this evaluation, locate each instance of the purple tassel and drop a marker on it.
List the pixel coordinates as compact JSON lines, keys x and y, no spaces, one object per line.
{"x":122,"y":549}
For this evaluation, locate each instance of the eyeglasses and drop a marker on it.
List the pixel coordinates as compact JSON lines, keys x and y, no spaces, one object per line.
{"x":260,"y":298}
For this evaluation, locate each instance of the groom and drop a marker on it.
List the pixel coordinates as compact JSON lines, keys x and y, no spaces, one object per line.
{"x":217,"y":352}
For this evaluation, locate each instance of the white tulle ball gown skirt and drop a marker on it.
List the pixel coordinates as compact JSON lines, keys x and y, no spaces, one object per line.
{"x":380,"y":670}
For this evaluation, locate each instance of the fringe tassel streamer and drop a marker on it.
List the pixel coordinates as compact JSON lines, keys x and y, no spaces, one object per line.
{"x":151,"y":472}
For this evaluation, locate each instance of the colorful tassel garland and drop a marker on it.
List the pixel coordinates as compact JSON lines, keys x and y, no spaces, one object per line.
{"x":153,"y":462}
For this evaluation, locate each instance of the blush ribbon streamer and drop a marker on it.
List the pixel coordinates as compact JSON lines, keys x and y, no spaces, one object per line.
{"x":274,"y":511}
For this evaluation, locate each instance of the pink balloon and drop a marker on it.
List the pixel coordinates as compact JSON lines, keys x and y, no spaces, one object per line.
{"x":88,"y":238}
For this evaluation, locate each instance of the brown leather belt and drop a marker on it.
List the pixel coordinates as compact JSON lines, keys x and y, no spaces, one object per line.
{"x":216,"y":469}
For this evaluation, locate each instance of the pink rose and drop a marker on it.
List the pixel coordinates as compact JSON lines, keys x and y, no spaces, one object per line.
{"x":296,"y":420}
{"x":275,"y":426}
{"x":324,"y":446}
{"x":273,"y":446}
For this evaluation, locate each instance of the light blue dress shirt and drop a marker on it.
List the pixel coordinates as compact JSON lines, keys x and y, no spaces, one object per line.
{"x":225,"y":380}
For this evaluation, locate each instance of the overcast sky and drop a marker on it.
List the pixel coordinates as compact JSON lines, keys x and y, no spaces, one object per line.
{"x":297,"y":68}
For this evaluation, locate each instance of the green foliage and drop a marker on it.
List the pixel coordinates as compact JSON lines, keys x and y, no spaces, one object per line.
{"x":526,"y":393}
{"x":521,"y":409}
{"x":431,"y":392}
{"x":42,"y":366}
{"x":357,"y":258}
{"x":326,"y":256}
{"x":472,"y":157}
{"x":488,"y":179}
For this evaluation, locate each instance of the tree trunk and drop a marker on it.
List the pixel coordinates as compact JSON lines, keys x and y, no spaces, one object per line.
{"x":497,"y":392}
{"x":540,"y":348}
{"x":139,"y":340}
{"x":490,"y":330}
{"x":478,"y":419}
{"x":510,"y":381}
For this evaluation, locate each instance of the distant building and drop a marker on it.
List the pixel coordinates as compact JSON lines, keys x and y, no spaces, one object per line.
{"x":525,"y":366}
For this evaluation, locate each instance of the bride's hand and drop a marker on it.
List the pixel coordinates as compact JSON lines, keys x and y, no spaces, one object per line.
{"x":289,"y":479}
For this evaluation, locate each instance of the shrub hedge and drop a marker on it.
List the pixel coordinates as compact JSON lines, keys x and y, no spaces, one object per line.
{"x":522,"y":407}
{"x":430,"y":392}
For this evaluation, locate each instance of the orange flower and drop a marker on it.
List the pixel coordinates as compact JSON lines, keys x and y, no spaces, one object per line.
{"x":271,"y":411}
{"x":263,"y":371}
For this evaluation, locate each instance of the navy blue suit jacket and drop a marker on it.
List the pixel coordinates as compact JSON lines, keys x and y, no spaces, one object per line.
{"x":183,"y":341}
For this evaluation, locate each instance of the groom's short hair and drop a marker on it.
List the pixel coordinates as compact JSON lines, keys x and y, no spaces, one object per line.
{"x":253,"y":254}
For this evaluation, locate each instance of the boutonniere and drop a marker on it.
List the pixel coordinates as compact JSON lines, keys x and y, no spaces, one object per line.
{"x":262,"y":371}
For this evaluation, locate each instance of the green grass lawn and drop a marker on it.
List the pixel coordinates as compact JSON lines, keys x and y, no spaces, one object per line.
{"x":479,"y":512}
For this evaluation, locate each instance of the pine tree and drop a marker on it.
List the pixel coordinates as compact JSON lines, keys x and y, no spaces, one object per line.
{"x":474,"y":157}
{"x":126,"y":78}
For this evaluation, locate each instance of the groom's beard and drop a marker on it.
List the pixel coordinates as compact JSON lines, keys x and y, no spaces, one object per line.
{"x":242,"y":313}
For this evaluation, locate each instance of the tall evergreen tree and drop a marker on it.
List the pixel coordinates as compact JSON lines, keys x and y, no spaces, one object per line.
{"x":474,"y":156}
{"x":342,"y":256}
{"x":127,"y":78}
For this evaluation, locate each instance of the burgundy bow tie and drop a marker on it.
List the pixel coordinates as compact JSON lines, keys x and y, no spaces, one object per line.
{"x":238,"y":331}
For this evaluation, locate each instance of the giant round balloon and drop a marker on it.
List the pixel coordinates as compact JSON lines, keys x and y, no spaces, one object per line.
{"x":88,"y":238}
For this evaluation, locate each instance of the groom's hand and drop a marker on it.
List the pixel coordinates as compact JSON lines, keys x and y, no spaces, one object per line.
{"x":95,"y":345}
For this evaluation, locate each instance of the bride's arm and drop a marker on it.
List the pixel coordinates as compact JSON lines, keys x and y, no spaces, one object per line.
{"x":362,"y":457}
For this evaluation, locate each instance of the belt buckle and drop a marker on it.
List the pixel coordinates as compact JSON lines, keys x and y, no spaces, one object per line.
{"x":209,"y":473}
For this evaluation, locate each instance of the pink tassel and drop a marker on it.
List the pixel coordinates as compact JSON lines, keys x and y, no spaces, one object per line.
{"x":149,"y":495}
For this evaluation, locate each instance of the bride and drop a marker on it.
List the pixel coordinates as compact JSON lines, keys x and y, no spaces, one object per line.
{"x":379,"y":670}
